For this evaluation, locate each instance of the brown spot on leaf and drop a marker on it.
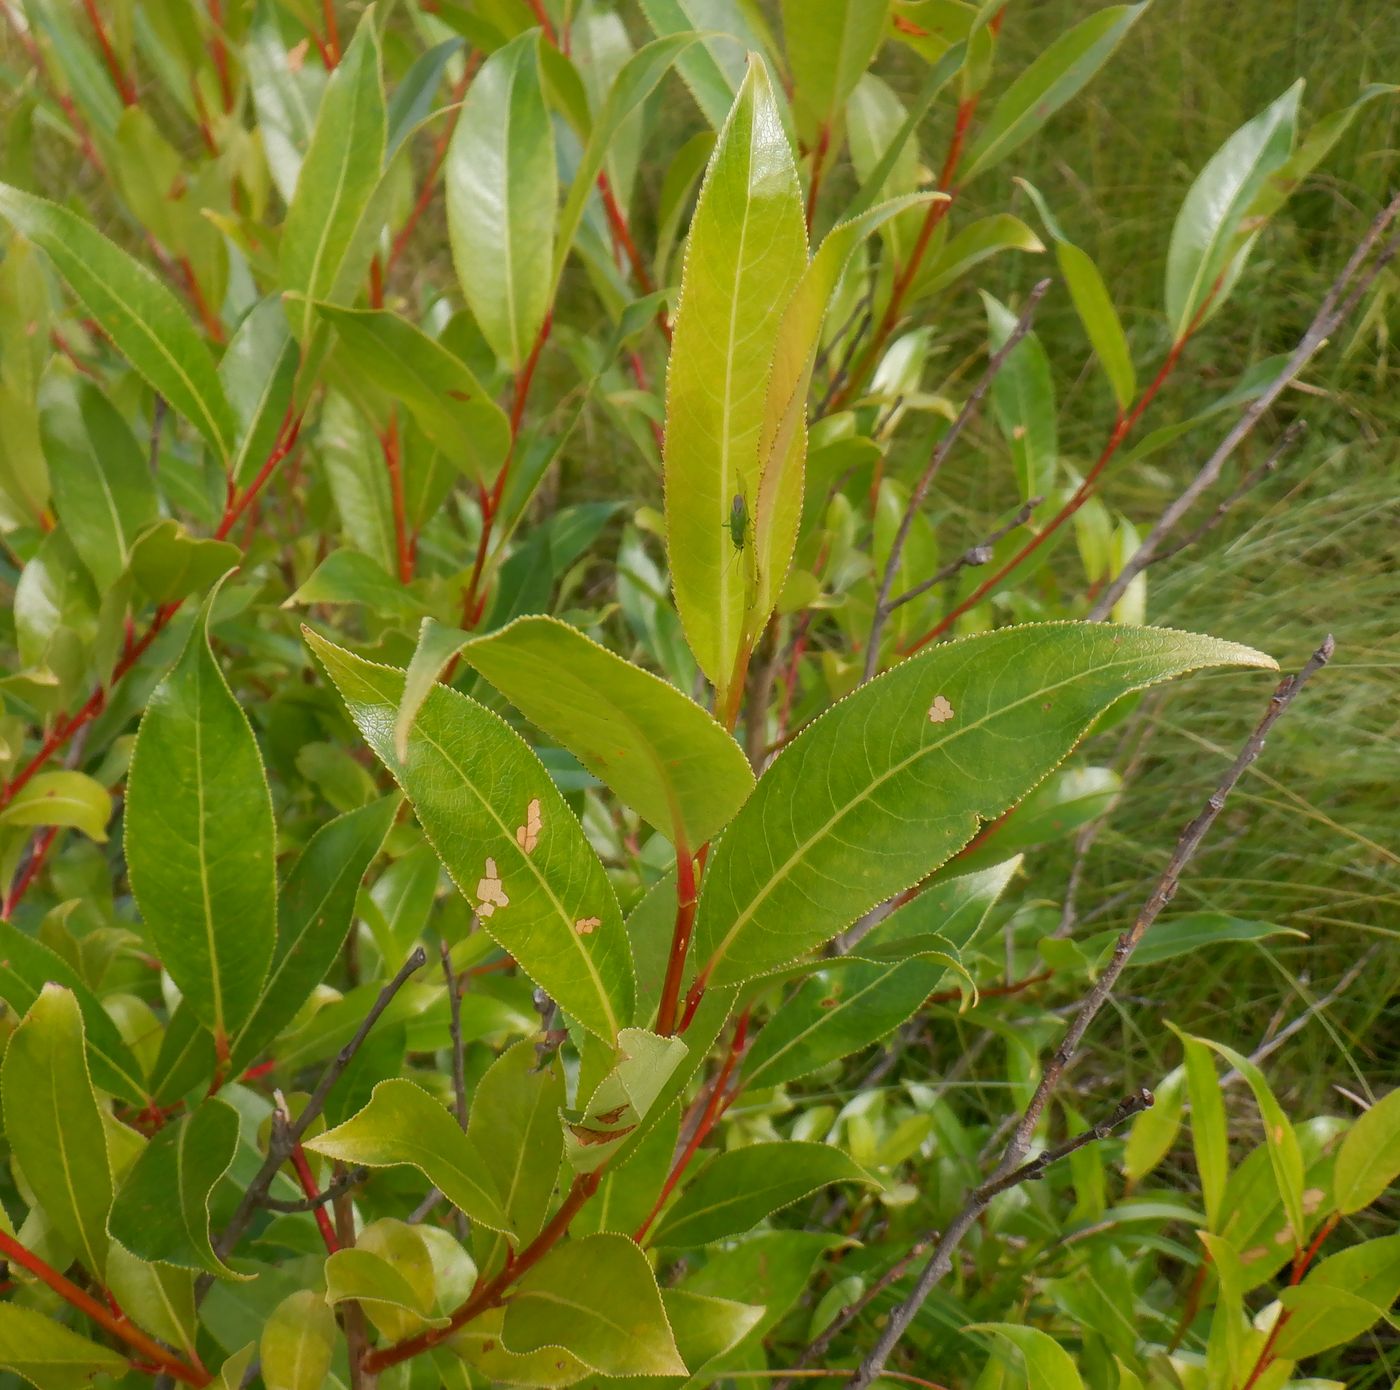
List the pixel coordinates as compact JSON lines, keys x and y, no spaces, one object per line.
{"x":527,"y":836}
{"x":940,"y":711}
{"x":585,"y":926}
{"x":611,"y":1117}
{"x":588,"y":1137}
{"x":490,"y":891}
{"x":297,"y":56}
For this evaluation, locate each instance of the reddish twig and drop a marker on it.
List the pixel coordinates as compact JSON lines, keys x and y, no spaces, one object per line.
{"x":686,"y":899}
{"x":126,"y":88}
{"x":43,"y":843}
{"x":405,"y":545}
{"x":330,"y":50}
{"x":306,"y":1180}
{"x":218,"y":51}
{"x":819,"y":154}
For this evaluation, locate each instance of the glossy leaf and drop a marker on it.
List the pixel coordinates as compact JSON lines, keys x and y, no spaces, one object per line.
{"x":403,"y":1124}
{"x":830,"y":43}
{"x":1048,"y":1365}
{"x":64,"y":799}
{"x":168,"y":564}
{"x":50,"y":1355}
{"x":200,"y":841}
{"x":349,"y":577}
{"x":1057,"y":76}
{"x":143,"y":319}
{"x":1023,"y":403}
{"x":161,"y":1212}
{"x":501,"y":182}
{"x":657,"y":749}
{"x":338,"y":179}
{"x":709,"y":69}
{"x":876,"y":793}
{"x":745,"y":256}
{"x":739,"y":1188}
{"x":54,"y":1126}
{"x":472,"y":782}
{"x":1211,"y":229}
{"x":298,"y":1343}
{"x":451,"y":406}
{"x":597,"y":1299}
{"x":1369,"y":1158}
{"x":314,"y":912}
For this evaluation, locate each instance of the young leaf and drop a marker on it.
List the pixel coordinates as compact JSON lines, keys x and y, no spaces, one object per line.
{"x":738,"y":1188}
{"x":381,"y":1285}
{"x":62,"y":798}
{"x":1154,"y":1131}
{"x":657,"y":749}
{"x":1212,"y":232}
{"x":451,"y":406}
{"x":200,"y":842}
{"x":1369,"y":1159}
{"x":313,"y":917}
{"x":473,"y":783}
{"x":1023,"y":403}
{"x":1048,"y":1364}
{"x":1056,"y":77}
{"x":168,"y":564}
{"x":746,"y":254}
{"x":403,"y":1124}
{"x":887,"y":785}
{"x":501,"y":184}
{"x":54,"y":1126}
{"x":338,"y":179}
{"x":830,"y":44}
{"x":597,"y":1299}
{"x":50,"y":1355}
{"x":298,"y":1343}
{"x":141,"y":317}
{"x":1209,"y":1137}
{"x":1341,"y":1298}
{"x":161,"y":1212}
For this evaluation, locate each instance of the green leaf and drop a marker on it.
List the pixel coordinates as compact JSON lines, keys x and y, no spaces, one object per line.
{"x":393,"y":1301}
{"x":1056,"y":77}
{"x":1154,"y":1131}
{"x":501,"y":190}
{"x":62,"y":798}
{"x":141,"y":317}
{"x":54,"y":1125}
{"x":477,"y":788}
{"x":450,"y":405}
{"x":26,"y":967}
{"x":1048,"y":1365}
{"x":161,"y":1212}
{"x":157,"y":1297}
{"x":437,"y":646}
{"x":830,"y":44}
{"x":200,"y":842}
{"x":977,"y":242}
{"x":515,"y":1127}
{"x":738,"y":1188}
{"x":102,"y":486}
{"x":1023,"y":403}
{"x":1212,"y":231}
{"x":298,"y":1342}
{"x":1209,"y":1137}
{"x":1284,"y":1155}
{"x":1188,"y":935}
{"x":168,"y":564}
{"x":887,"y":785}
{"x":708,"y":69}
{"x":1369,"y":1159}
{"x":745,"y":256}
{"x":657,"y":749}
{"x":258,"y":370}
{"x":1341,"y":1298}
{"x":314,"y":914}
{"x":403,"y":1124}
{"x":338,"y":179}
{"x":52,"y":1356}
{"x":705,"y":1327}
{"x":597,"y":1299}
{"x":349,"y":577}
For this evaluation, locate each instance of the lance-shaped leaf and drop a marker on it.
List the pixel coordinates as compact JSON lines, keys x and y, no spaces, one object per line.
{"x":712,"y":71}
{"x":1341,"y":1298}
{"x":162,"y":1211}
{"x":1212,"y":234}
{"x":298,"y":1343}
{"x":738,"y":1188}
{"x":403,"y":1124}
{"x":501,"y":191}
{"x":506,"y":836}
{"x":1056,"y":77}
{"x":54,"y":1126}
{"x":1048,"y":1365}
{"x":1369,"y":1159}
{"x":1023,"y":402}
{"x":258,"y":371}
{"x":782,"y":445}
{"x":313,"y":917}
{"x":200,"y":842}
{"x":597,"y":1299}
{"x":50,"y":1355}
{"x":338,"y":179}
{"x":830,"y":44}
{"x":745,"y":256}
{"x":891,"y":782}
{"x":449,"y":403}
{"x":135,"y":310}
{"x":26,"y":967}
{"x":663,"y":755}
{"x":1209,"y":1137}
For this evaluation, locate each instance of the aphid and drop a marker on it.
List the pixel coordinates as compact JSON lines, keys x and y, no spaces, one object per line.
{"x":738,"y":521}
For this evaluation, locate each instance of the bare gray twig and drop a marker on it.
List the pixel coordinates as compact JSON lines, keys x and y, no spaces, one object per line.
{"x":353,"y":1178}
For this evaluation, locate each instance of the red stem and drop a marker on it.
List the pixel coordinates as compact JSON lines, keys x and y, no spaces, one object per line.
{"x":207,"y":317}
{"x":489,"y":1294}
{"x":686,"y":898}
{"x":715,"y":1105}
{"x":43,"y":843}
{"x":818,"y":162}
{"x":126,"y":89}
{"x":331,"y":48}
{"x":306,"y":1179}
{"x":218,"y":50}
{"x":405,"y":544}
{"x":114,"y":1322}
{"x":545,"y":23}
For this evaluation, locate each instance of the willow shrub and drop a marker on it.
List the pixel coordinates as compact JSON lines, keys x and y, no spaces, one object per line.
{"x":398,"y":1031}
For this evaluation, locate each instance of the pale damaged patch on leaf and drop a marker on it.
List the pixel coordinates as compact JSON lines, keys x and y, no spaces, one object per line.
{"x":490,"y":891}
{"x":527,"y":836}
{"x":585,"y":926}
{"x":940,"y":711}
